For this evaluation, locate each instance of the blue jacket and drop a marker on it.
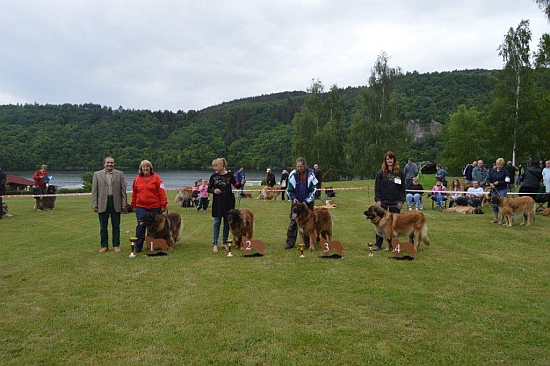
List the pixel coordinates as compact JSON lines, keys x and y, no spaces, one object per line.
{"x":303,"y":191}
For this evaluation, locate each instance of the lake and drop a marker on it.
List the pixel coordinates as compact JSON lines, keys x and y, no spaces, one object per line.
{"x":172,"y":178}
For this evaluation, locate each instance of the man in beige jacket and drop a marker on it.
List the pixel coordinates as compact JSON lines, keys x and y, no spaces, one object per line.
{"x":109,"y":200}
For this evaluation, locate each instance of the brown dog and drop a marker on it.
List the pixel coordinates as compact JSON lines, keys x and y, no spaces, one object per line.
{"x":509,"y":207}
{"x":269,"y":193}
{"x":312,"y":224}
{"x":241,"y":223}
{"x":184,"y":192}
{"x":411,"y":224}
{"x":545,"y":212}
{"x":465,"y":210}
{"x":167,"y":227}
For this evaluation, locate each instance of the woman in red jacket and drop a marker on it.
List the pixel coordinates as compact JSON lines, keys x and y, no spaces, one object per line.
{"x":148,"y":195}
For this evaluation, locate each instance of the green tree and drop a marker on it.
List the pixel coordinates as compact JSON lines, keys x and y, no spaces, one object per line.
{"x":308,"y":122}
{"x":464,"y":137}
{"x":513,"y":112}
{"x":375,"y":129}
{"x":544,"y":5}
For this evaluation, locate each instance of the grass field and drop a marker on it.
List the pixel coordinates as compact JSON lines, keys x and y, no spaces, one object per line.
{"x":478,"y":295}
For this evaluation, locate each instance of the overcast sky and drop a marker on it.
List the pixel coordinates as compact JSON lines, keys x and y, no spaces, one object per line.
{"x":181,"y":55}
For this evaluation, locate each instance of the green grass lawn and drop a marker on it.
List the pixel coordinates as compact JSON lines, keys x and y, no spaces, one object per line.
{"x":478,"y":295}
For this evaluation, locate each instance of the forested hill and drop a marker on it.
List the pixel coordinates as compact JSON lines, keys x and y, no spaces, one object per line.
{"x":254,"y":132}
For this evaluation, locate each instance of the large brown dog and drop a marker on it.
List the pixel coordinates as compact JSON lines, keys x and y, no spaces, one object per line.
{"x":312,"y":223}
{"x":411,"y":224}
{"x":509,"y":207}
{"x":184,"y":192}
{"x":167,"y":227}
{"x":465,"y":210}
{"x":241,"y":223}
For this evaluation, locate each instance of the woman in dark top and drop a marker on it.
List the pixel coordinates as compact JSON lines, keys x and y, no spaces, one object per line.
{"x":223,"y":199}
{"x":531,"y":180}
{"x":389,"y":189}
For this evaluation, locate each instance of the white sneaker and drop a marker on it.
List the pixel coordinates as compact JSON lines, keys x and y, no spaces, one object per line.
{"x":410,"y":208}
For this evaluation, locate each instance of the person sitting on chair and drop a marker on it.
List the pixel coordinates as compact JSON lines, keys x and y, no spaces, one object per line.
{"x":438,"y":193}
{"x":412,"y":194}
{"x":474,"y":194}
{"x":456,"y":190}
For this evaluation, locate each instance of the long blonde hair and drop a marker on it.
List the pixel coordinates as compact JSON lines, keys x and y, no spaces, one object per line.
{"x":144,"y":162}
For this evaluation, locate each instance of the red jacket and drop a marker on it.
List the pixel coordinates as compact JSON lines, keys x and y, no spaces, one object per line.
{"x":39,"y":178}
{"x":148,"y":192}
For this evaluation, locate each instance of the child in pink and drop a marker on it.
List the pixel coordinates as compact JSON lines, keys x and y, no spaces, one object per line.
{"x":203,"y":195}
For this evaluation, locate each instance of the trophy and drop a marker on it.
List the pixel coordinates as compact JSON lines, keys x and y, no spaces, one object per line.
{"x":371,"y":254}
{"x":229,"y":242}
{"x":301,"y":246}
{"x":133,"y":240}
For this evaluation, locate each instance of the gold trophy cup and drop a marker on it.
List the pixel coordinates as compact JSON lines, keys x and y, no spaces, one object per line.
{"x":133,"y":240}
{"x":301,"y":247}
{"x":229,"y":242}
{"x":371,"y":254}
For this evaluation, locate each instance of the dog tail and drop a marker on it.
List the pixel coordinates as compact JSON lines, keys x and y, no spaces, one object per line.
{"x":178,"y":197}
{"x":424,"y":236}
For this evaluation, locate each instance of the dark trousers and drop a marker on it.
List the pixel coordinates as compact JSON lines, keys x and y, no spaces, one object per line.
{"x":1,"y":208}
{"x":393,"y":209}
{"x":292,"y":231}
{"x":115,"y":224}
{"x":283,"y":194}
{"x":140,"y":229}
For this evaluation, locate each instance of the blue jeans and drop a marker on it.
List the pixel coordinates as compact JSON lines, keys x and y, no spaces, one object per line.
{"x":216,"y":230}
{"x":439,"y":198}
{"x":140,"y":229}
{"x":379,"y":239}
{"x":502,"y":193}
{"x":416,"y":197}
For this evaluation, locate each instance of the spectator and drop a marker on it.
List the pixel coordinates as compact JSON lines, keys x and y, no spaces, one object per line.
{"x":410,"y":170}
{"x":456,"y":191}
{"x":545,"y":178}
{"x":270,"y":178}
{"x":319,"y":176}
{"x":241,"y":178}
{"x":479,"y":173}
{"x":441,"y":174}
{"x":109,"y":200}
{"x":2,"y":190}
{"x":498,"y":179}
{"x":512,"y":173}
{"x":531,"y":180}
{"x":41,"y":179}
{"x":203,"y":196}
{"x":301,"y":187}
{"x":284,"y":181}
{"x":519,"y":177}
{"x":414,"y":192}
{"x":389,"y":189}
{"x":467,"y":172}
{"x":148,"y":195}
{"x":474,"y":194}
{"x":223,"y":200}
{"x":438,"y":194}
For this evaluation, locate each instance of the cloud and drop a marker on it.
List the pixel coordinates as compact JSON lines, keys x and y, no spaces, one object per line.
{"x":181,"y":55}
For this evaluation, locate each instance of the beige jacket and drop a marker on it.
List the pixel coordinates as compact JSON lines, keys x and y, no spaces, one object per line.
{"x":100,"y":190}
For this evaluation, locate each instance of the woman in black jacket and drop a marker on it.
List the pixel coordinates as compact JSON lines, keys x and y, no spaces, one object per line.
{"x":531,"y":180}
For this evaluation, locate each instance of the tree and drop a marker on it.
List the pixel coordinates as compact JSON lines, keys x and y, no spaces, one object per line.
{"x":375,"y":129}
{"x":544,"y":5}
{"x":464,"y":137}
{"x":513,"y":107}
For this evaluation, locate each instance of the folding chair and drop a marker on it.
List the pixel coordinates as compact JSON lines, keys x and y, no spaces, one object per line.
{"x":541,"y":198}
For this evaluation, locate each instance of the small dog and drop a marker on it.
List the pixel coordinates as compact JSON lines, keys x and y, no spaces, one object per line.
{"x":545,"y":212}
{"x":167,"y":227}
{"x":184,"y":192}
{"x":241,"y":223}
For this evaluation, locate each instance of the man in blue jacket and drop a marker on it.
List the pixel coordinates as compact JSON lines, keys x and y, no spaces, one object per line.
{"x":301,"y":187}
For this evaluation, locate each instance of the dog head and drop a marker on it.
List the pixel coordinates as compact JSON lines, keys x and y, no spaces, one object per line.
{"x":298,"y":209}
{"x":478,"y":211}
{"x":374,"y":214}
{"x":149,"y":219}
{"x":234,"y":217}
{"x":52,"y":190}
{"x":495,"y":200}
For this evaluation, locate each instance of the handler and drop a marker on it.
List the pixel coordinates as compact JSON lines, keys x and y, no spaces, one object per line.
{"x":389,"y":190}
